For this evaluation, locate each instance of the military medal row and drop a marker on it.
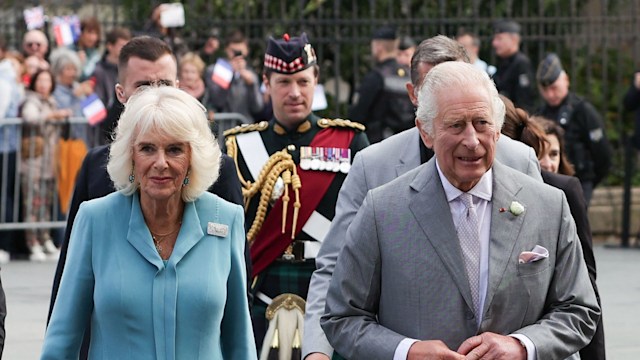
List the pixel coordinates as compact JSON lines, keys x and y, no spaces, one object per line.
{"x":325,"y":159}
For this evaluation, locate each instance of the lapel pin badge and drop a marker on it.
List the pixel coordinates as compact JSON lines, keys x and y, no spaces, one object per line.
{"x":216,"y":229}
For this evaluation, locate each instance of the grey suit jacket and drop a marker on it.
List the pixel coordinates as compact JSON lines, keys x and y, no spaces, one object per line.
{"x":401,"y":274}
{"x":372,"y":167}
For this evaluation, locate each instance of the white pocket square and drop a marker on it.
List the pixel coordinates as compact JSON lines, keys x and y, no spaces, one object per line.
{"x":538,"y":253}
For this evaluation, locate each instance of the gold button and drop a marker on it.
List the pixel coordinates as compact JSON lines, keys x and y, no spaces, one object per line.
{"x":291,"y":147}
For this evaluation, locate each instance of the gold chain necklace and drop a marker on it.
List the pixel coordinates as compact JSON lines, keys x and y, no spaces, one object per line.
{"x":159,"y":238}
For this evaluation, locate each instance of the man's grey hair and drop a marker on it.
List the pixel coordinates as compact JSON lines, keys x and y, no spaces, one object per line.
{"x":450,"y":77}
{"x":434,"y":51}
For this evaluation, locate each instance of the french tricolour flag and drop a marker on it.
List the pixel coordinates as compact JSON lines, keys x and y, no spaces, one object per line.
{"x":222,"y":73}
{"x":62,"y":31}
{"x":93,"y":109}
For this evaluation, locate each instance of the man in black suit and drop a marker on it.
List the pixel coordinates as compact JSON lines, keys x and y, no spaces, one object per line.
{"x":143,"y":61}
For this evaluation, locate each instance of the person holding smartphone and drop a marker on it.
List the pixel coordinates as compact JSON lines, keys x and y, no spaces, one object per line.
{"x":239,"y":93}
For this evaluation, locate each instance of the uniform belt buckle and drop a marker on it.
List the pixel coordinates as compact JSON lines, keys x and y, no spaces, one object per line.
{"x":294,"y":252}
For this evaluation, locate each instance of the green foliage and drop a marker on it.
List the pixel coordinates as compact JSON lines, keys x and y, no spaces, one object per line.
{"x":600,"y":70}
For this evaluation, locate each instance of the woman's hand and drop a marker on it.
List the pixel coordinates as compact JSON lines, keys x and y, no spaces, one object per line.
{"x":60,"y":114}
{"x":85,"y":88}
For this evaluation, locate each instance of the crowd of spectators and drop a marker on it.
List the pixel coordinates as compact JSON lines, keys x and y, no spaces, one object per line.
{"x":220,"y":75}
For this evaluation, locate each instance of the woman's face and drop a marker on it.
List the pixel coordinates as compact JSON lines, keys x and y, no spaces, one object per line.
{"x":68,"y":75}
{"x":43,"y":85}
{"x":161,"y":164}
{"x":189,"y":73}
{"x":550,"y":159}
{"x":89,"y":39}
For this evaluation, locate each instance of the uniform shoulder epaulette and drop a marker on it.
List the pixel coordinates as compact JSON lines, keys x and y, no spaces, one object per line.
{"x":325,"y":123}
{"x":245,"y":128}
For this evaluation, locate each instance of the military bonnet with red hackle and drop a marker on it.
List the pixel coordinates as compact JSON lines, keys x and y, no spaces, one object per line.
{"x":289,"y":55}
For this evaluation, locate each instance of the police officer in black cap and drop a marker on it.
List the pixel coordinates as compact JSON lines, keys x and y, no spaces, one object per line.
{"x":381,"y":102}
{"x":586,"y":142}
{"x":514,"y":74}
{"x":291,"y":169}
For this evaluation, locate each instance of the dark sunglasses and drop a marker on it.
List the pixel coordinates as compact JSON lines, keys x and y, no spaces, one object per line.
{"x":31,"y":44}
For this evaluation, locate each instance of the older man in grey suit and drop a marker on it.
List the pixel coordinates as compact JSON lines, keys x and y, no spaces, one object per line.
{"x":379,"y":164}
{"x":462,"y":256}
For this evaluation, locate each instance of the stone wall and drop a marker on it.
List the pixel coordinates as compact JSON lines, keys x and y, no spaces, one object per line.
{"x":605,"y":212}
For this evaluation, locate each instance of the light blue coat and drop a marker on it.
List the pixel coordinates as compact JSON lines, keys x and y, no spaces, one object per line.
{"x":192,"y":307}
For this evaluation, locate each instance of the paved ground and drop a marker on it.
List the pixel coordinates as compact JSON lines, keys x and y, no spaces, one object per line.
{"x":28,"y":285}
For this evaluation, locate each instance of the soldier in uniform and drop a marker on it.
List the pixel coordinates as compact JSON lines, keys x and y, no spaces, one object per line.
{"x":586,"y":143}
{"x":291,"y":169}
{"x":381,"y":102}
{"x":514,"y":73}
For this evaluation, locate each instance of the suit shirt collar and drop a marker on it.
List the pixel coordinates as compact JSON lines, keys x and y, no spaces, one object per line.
{"x":482,"y":190}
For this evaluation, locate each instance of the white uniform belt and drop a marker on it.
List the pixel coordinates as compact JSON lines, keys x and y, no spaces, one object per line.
{"x":264,"y":298}
{"x":317,"y":227}
{"x":254,"y":152}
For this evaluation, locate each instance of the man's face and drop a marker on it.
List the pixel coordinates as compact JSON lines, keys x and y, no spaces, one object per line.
{"x":212,"y":45}
{"x":555,"y":93}
{"x":292,"y":95}
{"x":467,"y":42}
{"x":114,"y":49}
{"x":404,"y":56}
{"x":505,"y":44}
{"x":236,"y":49}
{"x":464,"y":135}
{"x":423,"y":69}
{"x":140,"y":72}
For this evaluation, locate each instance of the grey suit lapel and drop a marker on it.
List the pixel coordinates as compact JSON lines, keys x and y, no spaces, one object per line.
{"x":431,"y":210}
{"x":505,"y":228}
{"x":409,"y":153}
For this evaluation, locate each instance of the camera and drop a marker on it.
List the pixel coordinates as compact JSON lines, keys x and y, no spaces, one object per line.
{"x":237,"y":53}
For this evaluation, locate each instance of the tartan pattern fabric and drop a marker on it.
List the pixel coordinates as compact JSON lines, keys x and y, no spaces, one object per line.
{"x":279,"y":65}
{"x":279,"y":278}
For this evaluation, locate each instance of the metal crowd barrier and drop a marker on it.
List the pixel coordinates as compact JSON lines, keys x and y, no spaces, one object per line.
{"x":224,"y":121}
{"x":14,"y":173}
{"x":27,"y":161}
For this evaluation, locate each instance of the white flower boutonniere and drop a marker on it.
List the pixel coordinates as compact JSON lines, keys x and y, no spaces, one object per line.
{"x":516,"y":208}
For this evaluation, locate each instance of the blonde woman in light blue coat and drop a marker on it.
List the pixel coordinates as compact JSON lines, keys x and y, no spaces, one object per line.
{"x":158,"y":267}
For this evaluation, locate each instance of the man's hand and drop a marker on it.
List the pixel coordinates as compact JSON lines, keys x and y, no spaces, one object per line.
{"x":492,"y":346}
{"x":432,"y":350}
{"x":317,"y":356}
{"x":238,"y":63}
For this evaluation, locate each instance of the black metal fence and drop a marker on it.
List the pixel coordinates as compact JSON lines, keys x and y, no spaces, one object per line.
{"x":596,"y":39}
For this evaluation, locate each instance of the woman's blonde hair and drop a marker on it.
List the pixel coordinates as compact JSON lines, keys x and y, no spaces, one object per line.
{"x":192,"y":58}
{"x":174,"y":113}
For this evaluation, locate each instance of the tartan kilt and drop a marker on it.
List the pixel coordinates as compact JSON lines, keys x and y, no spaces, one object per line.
{"x":279,"y":278}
